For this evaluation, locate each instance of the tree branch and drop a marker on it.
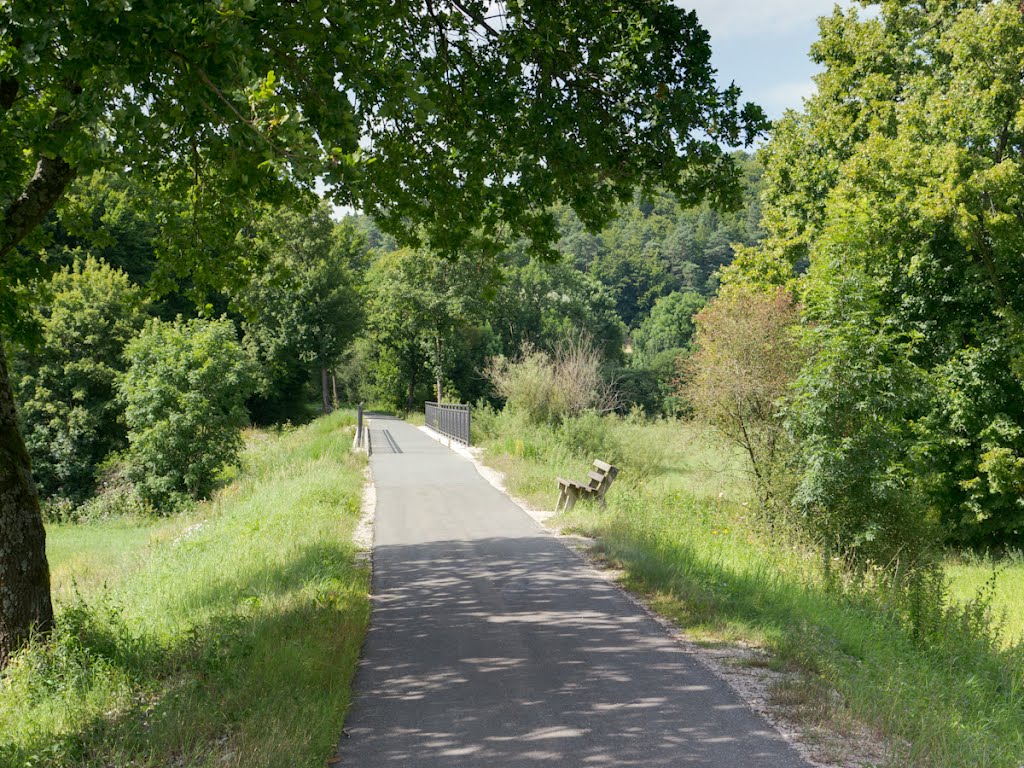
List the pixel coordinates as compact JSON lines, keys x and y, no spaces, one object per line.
{"x":475,"y":18}
{"x":212,"y":86}
{"x":51,"y":178}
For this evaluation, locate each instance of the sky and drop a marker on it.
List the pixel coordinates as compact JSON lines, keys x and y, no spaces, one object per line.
{"x":762,"y":46}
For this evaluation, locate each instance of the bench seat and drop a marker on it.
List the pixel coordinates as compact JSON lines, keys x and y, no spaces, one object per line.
{"x":600,"y":479}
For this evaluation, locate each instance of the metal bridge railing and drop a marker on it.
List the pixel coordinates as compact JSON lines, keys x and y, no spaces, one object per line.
{"x":449,"y":420}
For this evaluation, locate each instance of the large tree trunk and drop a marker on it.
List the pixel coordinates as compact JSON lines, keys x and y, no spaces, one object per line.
{"x":325,"y":391}
{"x":24,"y":574}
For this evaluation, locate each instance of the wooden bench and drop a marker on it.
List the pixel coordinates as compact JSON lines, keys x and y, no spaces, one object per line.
{"x":600,"y":481}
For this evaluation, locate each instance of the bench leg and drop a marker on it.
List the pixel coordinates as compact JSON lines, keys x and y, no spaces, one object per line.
{"x":570,"y":501}
{"x":561,"y":497}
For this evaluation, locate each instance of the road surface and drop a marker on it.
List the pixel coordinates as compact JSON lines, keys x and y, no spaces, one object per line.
{"x":493,"y":645}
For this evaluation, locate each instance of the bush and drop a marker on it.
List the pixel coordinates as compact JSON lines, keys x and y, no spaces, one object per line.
{"x":550,"y":388}
{"x":746,"y":358}
{"x":638,"y":388}
{"x":592,"y":435}
{"x":852,"y":416}
{"x":66,"y":383}
{"x":184,"y":392}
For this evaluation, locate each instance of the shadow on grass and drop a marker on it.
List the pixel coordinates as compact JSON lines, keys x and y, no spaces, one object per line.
{"x":954,"y":700}
{"x":268,"y":674}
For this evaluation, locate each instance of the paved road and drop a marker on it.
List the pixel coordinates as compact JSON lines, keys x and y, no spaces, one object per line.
{"x":492,"y":645}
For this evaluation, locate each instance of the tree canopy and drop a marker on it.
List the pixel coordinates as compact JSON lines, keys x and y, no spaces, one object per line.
{"x":892,"y":206}
{"x":455,"y":122}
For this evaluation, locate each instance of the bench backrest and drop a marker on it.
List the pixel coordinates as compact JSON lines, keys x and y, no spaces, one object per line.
{"x":602,"y":476}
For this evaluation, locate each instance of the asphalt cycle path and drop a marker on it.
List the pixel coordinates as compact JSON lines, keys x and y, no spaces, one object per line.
{"x":491,"y":644}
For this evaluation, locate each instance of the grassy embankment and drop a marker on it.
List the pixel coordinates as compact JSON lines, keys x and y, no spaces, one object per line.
{"x":678,"y":524}
{"x":224,"y":637}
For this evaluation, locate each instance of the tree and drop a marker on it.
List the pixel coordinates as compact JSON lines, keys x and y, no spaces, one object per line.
{"x":302,"y":303}
{"x":67,"y":382}
{"x":184,"y":393}
{"x":542,"y":304}
{"x":669,"y":326}
{"x":746,"y":357}
{"x":473,"y":125}
{"x":419,"y":303}
{"x":903,"y":176}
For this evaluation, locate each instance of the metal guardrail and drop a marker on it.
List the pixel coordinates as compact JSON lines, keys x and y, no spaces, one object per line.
{"x":449,"y":420}
{"x":362,"y":438}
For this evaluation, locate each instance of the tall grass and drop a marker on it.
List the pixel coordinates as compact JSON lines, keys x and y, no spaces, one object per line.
{"x":1002,"y":579}
{"x":680,"y":524}
{"x":228,"y":638}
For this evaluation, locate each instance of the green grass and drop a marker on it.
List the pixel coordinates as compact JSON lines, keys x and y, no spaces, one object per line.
{"x":225,"y":638}
{"x":679,"y":524}
{"x":969,"y":576}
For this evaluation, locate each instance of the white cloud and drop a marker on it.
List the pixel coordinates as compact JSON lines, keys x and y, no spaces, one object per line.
{"x":737,"y":19}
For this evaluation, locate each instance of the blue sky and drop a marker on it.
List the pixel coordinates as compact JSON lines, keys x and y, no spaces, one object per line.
{"x":762,"y":46}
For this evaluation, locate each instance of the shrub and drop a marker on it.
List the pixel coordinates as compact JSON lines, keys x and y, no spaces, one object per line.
{"x":592,"y":435}
{"x":184,"y":393}
{"x":638,"y":388}
{"x":746,"y":358}
{"x":66,"y":383}
{"x":852,"y":416}
{"x":549,"y":388}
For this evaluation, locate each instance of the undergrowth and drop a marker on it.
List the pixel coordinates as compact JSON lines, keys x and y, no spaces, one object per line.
{"x":226,"y":638}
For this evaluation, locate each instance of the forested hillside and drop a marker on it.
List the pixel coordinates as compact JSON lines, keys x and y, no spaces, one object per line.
{"x":631,"y":287}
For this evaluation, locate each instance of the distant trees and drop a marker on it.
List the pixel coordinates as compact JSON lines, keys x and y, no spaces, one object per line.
{"x":302,"y":303}
{"x":659,"y":245}
{"x":670,"y":326}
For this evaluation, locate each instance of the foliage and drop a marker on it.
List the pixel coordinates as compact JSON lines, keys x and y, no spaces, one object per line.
{"x":521,"y":130}
{"x":549,"y":388}
{"x":228,"y":636}
{"x":851,"y":417}
{"x":746,"y":357}
{"x":66,"y":383}
{"x":669,"y":326}
{"x":905,"y":172}
{"x":184,"y":393}
{"x":419,"y":307}
{"x":658,"y":245}
{"x":303,"y":305}
{"x":541,"y":304}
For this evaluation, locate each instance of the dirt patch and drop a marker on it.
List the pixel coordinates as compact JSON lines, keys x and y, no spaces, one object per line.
{"x":363,"y":535}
